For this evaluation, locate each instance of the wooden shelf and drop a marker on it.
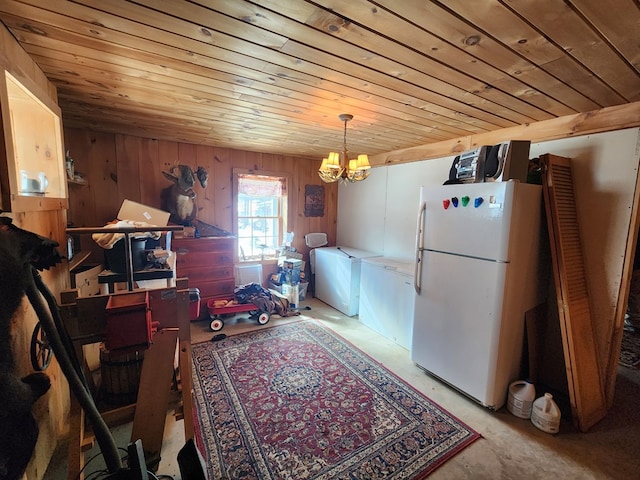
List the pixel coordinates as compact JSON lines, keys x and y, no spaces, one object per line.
{"x":78,"y":258}
{"x":77,"y":182}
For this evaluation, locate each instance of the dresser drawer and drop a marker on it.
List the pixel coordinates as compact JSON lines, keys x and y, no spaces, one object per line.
{"x":201,"y":260}
{"x":220,"y":288}
{"x":200,"y":274}
{"x":203,"y":245}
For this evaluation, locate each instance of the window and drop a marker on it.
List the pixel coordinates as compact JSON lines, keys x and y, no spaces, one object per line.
{"x":261,"y":213}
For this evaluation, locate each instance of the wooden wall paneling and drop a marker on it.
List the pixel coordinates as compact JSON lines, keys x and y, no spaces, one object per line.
{"x":310,"y":168}
{"x":297,"y":213}
{"x":128,"y":166}
{"x":102,"y":175}
{"x":82,"y":195}
{"x":150,"y":172}
{"x":204,"y":201}
{"x":220,"y":190}
{"x":145,"y":159}
{"x":302,"y":223}
{"x":248,"y":160}
{"x":331,"y":207}
{"x":312,"y":178}
{"x":167,"y":158}
{"x":187,"y":154}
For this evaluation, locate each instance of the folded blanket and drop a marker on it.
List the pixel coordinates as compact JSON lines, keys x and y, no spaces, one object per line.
{"x":108,"y":240}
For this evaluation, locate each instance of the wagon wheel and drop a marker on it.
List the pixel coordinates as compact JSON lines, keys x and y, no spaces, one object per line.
{"x":263,"y":318}
{"x":216,"y":324}
{"x":41,"y":351}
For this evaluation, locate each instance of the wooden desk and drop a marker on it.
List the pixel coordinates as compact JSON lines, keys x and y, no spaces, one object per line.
{"x":84,"y":319}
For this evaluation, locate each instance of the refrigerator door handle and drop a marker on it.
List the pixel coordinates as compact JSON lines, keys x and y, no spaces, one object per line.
{"x":417,"y":274}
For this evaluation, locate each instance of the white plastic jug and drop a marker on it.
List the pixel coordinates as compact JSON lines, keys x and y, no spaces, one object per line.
{"x":522,"y":393}
{"x":545,"y":414}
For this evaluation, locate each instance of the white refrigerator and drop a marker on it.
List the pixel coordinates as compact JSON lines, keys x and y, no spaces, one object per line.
{"x":476,"y":274}
{"x":337,"y":280}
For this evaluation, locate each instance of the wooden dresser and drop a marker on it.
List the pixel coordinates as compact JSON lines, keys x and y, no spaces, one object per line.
{"x":208,"y":263}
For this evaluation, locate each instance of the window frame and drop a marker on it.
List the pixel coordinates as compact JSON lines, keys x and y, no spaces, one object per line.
{"x":285,"y":216}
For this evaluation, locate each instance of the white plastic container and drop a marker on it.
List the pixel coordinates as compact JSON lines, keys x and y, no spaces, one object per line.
{"x":292,"y":294}
{"x":522,"y":393}
{"x":545,"y":414}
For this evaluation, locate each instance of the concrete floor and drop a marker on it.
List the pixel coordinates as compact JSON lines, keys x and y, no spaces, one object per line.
{"x":511,"y":448}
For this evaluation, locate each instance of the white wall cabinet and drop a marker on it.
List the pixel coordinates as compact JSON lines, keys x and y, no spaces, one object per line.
{"x":32,"y":170}
{"x":386,"y":298}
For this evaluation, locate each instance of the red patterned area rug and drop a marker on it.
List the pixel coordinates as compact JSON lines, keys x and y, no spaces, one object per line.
{"x":297,"y":401}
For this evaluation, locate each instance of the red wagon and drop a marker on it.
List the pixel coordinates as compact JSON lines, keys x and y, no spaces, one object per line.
{"x":215,"y":313}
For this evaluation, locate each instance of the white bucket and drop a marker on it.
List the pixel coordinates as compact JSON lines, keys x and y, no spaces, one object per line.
{"x":522,"y":393}
{"x":545,"y":414}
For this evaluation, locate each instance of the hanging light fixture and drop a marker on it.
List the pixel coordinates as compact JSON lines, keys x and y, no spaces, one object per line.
{"x":335,"y":167}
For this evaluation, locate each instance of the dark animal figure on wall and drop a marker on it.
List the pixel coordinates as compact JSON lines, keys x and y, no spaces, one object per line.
{"x":20,"y":251}
{"x":179,"y":198}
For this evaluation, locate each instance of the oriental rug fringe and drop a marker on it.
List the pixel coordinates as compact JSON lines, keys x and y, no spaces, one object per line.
{"x":297,"y":401}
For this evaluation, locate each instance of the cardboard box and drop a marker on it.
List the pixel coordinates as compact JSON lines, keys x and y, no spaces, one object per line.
{"x":85,"y":279}
{"x":291,"y":263}
{"x":138,"y":212}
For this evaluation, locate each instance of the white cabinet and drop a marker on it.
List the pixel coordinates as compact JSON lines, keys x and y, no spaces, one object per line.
{"x":386,"y":298}
{"x":338,"y":277}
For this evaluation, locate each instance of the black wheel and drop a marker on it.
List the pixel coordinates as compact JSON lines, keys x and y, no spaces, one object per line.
{"x":41,"y":351}
{"x":216,"y":324}
{"x":263,"y":318}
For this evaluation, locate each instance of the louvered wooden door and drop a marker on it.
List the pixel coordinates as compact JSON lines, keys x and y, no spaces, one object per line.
{"x":584,"y":374}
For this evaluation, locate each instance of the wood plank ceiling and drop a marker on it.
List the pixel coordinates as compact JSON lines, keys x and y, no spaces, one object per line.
{"x":273,"y":75}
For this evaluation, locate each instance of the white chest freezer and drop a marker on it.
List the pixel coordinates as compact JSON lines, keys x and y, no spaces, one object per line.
{"x":386,"y":298}
{"x":338,"y":277}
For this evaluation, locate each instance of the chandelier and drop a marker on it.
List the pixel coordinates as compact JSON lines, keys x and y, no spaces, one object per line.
{"x":336,"y":168}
